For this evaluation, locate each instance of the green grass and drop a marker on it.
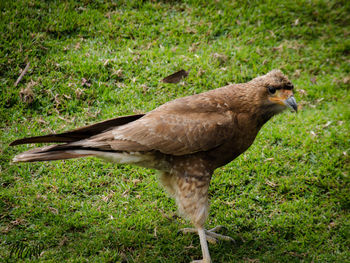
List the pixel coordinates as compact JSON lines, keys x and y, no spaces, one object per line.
{"x":286,"y":199}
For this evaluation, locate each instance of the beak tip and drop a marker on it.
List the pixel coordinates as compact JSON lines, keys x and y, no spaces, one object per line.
{"x":291,"y":102}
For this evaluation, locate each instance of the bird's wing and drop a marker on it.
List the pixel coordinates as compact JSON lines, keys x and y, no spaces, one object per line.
{"x":178,"y":134}
{"x":184,"y":126}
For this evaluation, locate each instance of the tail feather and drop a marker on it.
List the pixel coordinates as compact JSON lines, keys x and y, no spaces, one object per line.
{"x":73,"y":142}
{"x":80,"y":133}
{"x":49,"y":153}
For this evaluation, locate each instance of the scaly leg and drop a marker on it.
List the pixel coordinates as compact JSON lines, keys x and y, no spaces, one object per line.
{"x":204,"y":247}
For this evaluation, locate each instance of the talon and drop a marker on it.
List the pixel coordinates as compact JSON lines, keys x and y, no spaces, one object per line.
{"x":218,"y":236}
{"x":211,"y":236}
{"x":217,"y":228}
{"x":211,"y":240}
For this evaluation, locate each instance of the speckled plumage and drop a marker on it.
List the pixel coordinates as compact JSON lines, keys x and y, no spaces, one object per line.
{"x":186,"y":139}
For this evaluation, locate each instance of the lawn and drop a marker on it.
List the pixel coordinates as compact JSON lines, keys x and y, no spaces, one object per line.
{"x":286,"y":199}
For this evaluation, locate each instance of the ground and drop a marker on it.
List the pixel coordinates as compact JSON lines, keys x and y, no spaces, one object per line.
{"x":284,"y":200}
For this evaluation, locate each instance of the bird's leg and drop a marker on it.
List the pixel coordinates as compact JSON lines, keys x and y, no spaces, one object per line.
{"x":204,"y":247}
{"x":191,"y":194}
{"x":211,"y":236}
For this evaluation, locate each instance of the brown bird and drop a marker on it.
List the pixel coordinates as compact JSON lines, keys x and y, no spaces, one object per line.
{"x":185,"y":139}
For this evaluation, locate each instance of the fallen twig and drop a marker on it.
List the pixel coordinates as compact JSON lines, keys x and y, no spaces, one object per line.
{"x":22,"y":74}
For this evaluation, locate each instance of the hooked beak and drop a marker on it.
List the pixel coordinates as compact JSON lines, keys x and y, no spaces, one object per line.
{"x":291,"y":103}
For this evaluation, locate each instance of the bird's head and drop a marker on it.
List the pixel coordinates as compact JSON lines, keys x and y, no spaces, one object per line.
{"x":276,"y":92}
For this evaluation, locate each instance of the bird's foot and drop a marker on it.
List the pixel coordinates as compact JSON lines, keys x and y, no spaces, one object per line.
{"x":211,"y":236}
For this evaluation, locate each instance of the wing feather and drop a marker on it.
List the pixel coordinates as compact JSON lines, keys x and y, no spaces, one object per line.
{"x":178,"y":132}
{"x":80,"y":133}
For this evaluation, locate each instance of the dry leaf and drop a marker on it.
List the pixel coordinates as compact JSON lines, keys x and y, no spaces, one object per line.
{"x":136,"y":181}
{"x":125,"y":193}
{"x":120,"y":84}
{"x":302,"y":92}
{"x":77,"y":46}
{"x":191,"y":30}
{"x":105,"y":199}
{"x":176,"y":77}
{"x":42,"y":121}
{"x":346,"y":80}
{"x":118,"y":73}
{"x":137,"y":111}
{"x":63,"y":241}
{"x":272,"y":33}
{"x":279,"y":48}
{"x":106,"y":62}
{"x":327,"y":124}
{"x":332,"y":224}
{"x":57,"y":99}
{"x":222,"y":58}
{"x":144,"y":88}
{"x":251,"y":260}
{"x":79,"y":92}
{"x":193,"y":47}
{"x":136,"y":58}
{"x":53,"y":210}
{"x":200,"y":72}
{"x":84,"y":82}
{"x":233,"y":202}
{"x":149,"y":45}
{"x":272,"y":184}
{"x":18,"y":221}
{"x":64,"y":119}
{"x":297,"y":73}
{"x":27,"y":95}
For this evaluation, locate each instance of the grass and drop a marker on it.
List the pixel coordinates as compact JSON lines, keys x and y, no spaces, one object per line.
{"x":286,"y":199}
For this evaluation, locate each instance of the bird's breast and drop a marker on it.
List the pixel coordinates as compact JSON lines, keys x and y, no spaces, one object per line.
{"x":242,"y":138}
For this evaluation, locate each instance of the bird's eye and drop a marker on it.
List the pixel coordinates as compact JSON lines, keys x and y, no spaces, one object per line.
{"x":272,"y":90}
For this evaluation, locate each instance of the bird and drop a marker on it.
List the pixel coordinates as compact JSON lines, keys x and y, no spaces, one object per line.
{"x":185,"y":139}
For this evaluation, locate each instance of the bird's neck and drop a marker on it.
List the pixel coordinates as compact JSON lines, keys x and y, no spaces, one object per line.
{"x":244,"y":100}
{"x":263,"y":116}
